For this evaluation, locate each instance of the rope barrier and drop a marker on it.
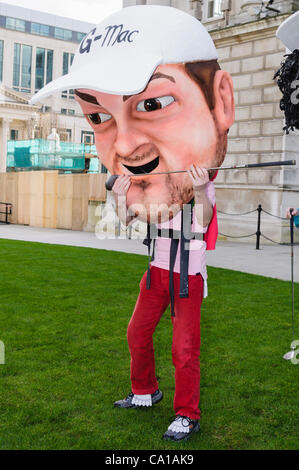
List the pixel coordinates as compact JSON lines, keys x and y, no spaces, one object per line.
{"x":273,"y":215}
{"x":279,"y":243}
{"x":270,"y":240}
{"x":258,"y":232}
{"x":242,"y":213}
{"x":239,"y":236}
{"x":250,"y":212}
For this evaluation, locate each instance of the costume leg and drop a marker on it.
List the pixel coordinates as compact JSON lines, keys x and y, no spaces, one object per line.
{"x":149,"y":308}
{"x":186,"y":347}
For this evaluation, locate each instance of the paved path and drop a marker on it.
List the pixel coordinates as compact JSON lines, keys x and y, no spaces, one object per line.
{"x":270,"y":260}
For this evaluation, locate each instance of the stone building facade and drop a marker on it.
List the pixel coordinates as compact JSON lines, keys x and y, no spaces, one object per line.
{"x":244,"y":33}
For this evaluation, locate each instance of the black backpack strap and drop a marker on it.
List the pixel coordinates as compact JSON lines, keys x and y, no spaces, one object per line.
{"x":147,"y":241}
{"x":153,"y":252}
{"x":172,"y":257}
{"x":168,"y":233}
{"x":184,"y":235}
{"x":184,"y":252}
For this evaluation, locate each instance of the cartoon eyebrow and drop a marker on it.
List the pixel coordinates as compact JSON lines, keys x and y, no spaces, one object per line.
{"x":92,"y":99}
{"x":153,"y":77}
{"x":86,"y":97}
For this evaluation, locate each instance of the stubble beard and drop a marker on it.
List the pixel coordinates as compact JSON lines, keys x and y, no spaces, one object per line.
{"x":182,"y":194}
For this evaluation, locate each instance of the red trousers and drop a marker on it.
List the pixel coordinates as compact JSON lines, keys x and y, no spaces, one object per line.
{"x":149,"y":308}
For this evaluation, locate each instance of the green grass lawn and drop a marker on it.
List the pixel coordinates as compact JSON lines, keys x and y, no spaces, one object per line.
{"x":63,"y":318}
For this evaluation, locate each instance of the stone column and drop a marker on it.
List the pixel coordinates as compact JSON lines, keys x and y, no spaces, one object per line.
{"x":289,"y":176}
{"x":3,"y":144}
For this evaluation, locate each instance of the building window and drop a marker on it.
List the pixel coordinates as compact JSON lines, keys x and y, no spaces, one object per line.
{"x":103,"y":169}
{"x":213,"y":9}
{"x":40,"y":68}
{"x":44,"y":67}
{"x":80,"y":36}
{"x":49,"y":68}
{"x":65,"y":34}
{"x":87,"y":137}
{"x":16,"y":65}
{"x":37,"y":133}
{"x":16,"y":24}
{"x":40,"y":29}
{"x":66,"y":63}
{"x":22,"y":68}
{"x":68,"y":94}
{"x":69,"y":112}
{"x":65,"y":135}
{"x":1,"y":60}
{"x":14,"y":133}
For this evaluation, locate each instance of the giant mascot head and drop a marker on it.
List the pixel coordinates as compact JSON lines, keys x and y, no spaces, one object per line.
{"x":148,"y":81}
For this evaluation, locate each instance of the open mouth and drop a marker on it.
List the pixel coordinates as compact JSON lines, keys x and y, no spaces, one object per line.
{"x":147,"y":168}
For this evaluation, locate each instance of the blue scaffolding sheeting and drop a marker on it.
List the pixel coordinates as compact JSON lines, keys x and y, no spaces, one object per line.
{"x":41,"y":154}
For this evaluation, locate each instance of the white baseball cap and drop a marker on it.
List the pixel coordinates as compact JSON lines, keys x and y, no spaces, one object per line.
{"x":121,"y":53}
{"x":288,"y":32}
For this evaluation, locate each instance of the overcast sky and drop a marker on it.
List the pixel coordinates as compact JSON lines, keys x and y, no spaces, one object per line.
{"x":91,"y":11}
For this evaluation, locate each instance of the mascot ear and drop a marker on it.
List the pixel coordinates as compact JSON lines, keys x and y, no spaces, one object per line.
{"x":224,"y":103}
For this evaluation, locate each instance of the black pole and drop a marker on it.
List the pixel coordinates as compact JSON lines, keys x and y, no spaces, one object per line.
{"x":279,"y":163}
{"x":258,"y":230}
{"x":292,"y":267}
{"x":292,"y":226}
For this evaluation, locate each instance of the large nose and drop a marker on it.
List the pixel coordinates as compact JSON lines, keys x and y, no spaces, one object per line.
{"x":129,"y":138}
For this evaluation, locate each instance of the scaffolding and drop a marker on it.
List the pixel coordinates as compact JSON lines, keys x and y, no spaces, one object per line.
{"x":41,"y":154}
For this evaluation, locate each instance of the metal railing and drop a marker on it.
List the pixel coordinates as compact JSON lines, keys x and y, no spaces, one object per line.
{"x":258,"y":232}
{"x":6,"y":212}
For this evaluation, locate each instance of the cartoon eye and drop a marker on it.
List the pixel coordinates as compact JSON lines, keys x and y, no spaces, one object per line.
{"x":153,"y":104}
{"x":98,"y":118}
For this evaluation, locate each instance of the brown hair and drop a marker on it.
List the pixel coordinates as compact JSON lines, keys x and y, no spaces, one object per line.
{"x":203,"y":74}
